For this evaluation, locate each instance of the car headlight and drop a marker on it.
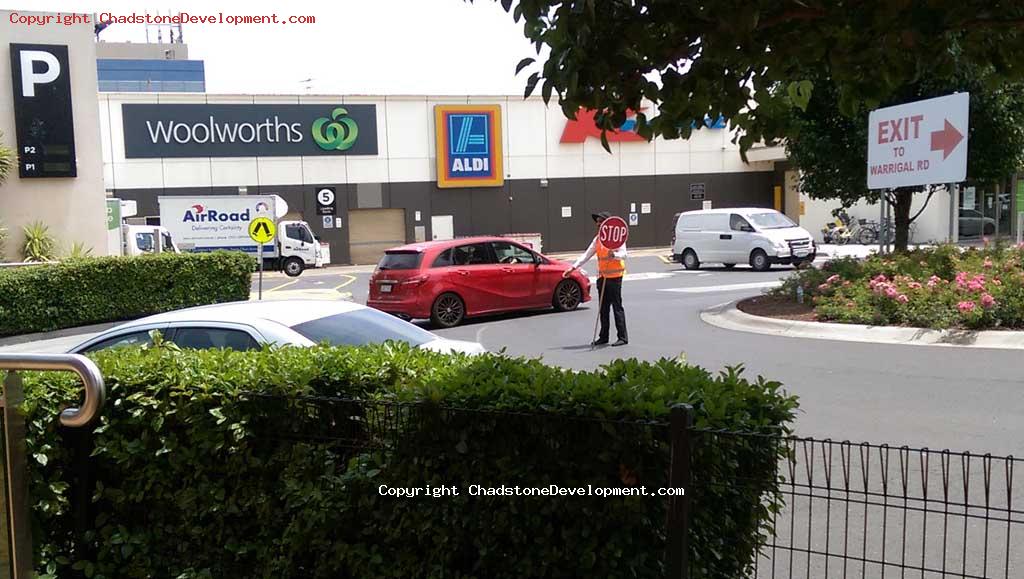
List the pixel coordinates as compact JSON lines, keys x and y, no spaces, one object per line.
{"x":781,"y":247}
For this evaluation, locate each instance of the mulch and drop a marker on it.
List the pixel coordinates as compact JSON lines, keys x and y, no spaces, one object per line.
{"x":781,"y":307}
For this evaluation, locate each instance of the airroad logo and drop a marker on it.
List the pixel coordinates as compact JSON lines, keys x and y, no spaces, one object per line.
{"x":247,"y":130}
{"x":199,"y":214}
{"x":338,"y":135}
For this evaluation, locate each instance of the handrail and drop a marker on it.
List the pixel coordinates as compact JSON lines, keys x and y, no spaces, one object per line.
{"x":95,"y":391}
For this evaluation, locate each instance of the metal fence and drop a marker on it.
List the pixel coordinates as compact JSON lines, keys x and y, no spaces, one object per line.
{"x":865,"y":510}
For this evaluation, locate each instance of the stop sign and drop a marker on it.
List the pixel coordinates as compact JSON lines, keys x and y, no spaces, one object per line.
{"x":613,"y":233}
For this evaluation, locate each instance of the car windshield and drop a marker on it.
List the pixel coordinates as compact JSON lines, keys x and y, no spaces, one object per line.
{"x":400,"y":260}
{"x":362,"y":327}
{"x":771,"y":220}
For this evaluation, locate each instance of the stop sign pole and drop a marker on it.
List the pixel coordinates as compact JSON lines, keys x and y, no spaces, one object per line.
{"x":612,"y":234}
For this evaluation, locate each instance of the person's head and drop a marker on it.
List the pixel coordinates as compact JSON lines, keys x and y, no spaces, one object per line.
{"x":599,"y":218}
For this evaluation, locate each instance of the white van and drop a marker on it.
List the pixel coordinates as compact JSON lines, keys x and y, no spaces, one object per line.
{"x":758,"y":236}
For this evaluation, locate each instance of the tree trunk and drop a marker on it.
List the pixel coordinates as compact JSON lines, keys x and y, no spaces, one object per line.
{"x":904,"y":196}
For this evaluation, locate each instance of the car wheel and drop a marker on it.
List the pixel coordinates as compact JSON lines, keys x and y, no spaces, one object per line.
{"x":690,"y":260}
{"x":448,"y":310}
{"x":293,"y":267}
{"x":568,"y":295}
{"x":990,"y":228}
{"x":759,"y":260}
{"x":729,"y":265}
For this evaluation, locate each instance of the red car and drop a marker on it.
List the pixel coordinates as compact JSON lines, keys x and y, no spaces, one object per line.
{"x":448,"y":281}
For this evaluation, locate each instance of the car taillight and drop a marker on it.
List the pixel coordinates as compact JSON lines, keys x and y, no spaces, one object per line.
{"x":417,"y":280}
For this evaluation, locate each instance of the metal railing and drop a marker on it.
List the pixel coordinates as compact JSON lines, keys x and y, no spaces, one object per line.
{"x":16,"y":480}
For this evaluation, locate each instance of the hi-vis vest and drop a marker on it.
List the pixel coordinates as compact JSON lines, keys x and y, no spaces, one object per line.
{"x":608,"y":265}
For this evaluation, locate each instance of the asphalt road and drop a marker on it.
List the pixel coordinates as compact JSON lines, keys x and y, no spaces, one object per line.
{"x":922,"y":396}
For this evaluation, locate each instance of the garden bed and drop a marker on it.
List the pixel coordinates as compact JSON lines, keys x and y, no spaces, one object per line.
{"x":939,"y":288}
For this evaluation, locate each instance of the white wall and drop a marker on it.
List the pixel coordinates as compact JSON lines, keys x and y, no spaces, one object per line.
{"x":406,"y":145}
{"x":931,"y":226}
{"x":73,"y":207}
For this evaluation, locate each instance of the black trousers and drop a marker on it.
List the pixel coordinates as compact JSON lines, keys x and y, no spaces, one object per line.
{"x":609,"y":291}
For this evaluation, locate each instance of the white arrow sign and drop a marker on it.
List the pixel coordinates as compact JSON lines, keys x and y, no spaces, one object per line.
{"x":919,"y":143}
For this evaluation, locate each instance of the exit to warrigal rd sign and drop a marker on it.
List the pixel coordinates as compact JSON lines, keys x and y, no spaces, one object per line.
{"x":919,"y":143}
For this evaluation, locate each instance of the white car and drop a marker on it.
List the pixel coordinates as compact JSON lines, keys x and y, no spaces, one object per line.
{"x":250,"y":325}
{"x":754,"y":235}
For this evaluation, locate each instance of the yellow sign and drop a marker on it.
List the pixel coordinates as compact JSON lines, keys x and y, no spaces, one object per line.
{"x":262,"y":230}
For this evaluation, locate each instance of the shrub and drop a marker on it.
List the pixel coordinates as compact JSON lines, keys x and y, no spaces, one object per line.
{"x":78,"y":250}
{"x":106,"y":289}
{"x":39,"y":243}
{"x":195,"y":477}
{"x":945,"y":287}
{"x":3,"y":242}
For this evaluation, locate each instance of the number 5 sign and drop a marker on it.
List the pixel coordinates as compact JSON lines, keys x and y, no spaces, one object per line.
{"x":613,"y":233}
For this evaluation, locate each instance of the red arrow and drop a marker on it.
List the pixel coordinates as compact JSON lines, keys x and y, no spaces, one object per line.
{"x":946,"y":140}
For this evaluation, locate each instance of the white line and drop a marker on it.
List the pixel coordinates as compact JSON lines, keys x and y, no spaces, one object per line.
{"x":722,"y":288}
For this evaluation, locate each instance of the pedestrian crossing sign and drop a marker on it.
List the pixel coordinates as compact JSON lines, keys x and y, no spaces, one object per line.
{"x":262,"y":230}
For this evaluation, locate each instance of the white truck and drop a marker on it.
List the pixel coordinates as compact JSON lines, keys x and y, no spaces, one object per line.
{"x":213,"y":222}
{"x":134,"y":239}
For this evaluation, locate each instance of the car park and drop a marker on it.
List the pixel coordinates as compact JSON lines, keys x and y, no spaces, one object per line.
{"x":758,"y":236}
{"x":254,"y":324}
{"x":449,"y":281}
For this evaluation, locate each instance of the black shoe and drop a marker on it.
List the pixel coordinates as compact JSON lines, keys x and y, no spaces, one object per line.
{"x":620,"y":342}
{"x":599,"y":342}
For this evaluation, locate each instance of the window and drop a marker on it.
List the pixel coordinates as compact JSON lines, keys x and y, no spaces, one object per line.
{"x":737,"y":223}
{"x":511,"y":253}
{"x":134,"y":339}
{"x":771,"y":220}
{"x":400,"y":260}
{"x":689,"y":222}
{"x":209,"y":338}
{"x":362,"y":327}
{"x":144,"y":241}
{"x":298,"y":233}
{"x":444,"y":259}
{"x":475,"y":254}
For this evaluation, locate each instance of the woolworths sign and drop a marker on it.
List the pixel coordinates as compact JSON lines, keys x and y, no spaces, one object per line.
{"x":201,"y":130}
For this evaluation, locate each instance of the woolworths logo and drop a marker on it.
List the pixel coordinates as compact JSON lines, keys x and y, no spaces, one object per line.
{"x":337,"y":133}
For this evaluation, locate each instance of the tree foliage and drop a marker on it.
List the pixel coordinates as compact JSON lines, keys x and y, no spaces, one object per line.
{"x":730,"y":57}
{"x":830,"y":148}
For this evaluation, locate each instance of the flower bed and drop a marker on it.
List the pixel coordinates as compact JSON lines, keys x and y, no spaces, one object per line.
{"x":939,"y":288}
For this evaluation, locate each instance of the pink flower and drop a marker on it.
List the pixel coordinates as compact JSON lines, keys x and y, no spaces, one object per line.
{"x":934,"y":281}
{"x":851,"y":305}
{"x":987,"y":264}
{"x":902,"y":298}
{"x":832,"y":279}
{"x":823,"y":287}
{"x":975,"y":286}
{"x":891,"y":292}
{"x":965,"y":307}
{"x":914,"y":285}
{"x":987,"y":301}
{"x":846,"y":283}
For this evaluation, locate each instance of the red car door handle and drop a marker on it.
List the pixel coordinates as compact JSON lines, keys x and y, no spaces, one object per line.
{"x":507,"y":269}
{"x":461,"y":272}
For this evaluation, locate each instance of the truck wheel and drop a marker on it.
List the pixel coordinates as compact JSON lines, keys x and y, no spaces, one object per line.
{"x":690,"y":260}
{"x":448,"y":310}
{"x":293,"y":267}
{"x":759,"y":260}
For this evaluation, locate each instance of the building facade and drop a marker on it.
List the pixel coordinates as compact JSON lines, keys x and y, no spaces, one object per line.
{"x":532,"y":171}
{"x":149,"y":67}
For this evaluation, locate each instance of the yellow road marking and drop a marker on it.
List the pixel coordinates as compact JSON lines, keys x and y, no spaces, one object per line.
{"x":665,"y":258}
{"x":351,"y":279}
{"x":275,"y":288}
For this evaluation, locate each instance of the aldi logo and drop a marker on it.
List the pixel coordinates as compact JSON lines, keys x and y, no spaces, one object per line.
{"x":468,"y":145}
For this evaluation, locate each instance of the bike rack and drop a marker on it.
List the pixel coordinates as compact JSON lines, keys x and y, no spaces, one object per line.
{"x":15,"y":481}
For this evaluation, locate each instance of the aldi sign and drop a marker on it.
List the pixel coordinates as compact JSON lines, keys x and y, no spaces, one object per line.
{"x":468,"y":145}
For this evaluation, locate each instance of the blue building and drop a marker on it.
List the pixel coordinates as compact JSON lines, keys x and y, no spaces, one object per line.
{"x":148,"y":67}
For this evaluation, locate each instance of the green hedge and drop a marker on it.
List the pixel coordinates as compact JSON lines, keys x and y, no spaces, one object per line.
{"x":190,"y":484}
{"x":106,"y":289}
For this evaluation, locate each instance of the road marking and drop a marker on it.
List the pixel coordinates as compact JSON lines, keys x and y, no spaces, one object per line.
{"x":703,"y":275}
{"x":666,"y":259}
{"x":275,"y":288}
{"x":723,"y":288}
{"x":639,"y":276}
{"x":304,"y":294}
{"x":351,"y":279}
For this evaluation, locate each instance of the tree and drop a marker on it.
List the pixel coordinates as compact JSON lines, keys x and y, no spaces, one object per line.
{"x":831,"y":148}
{"x":730,"y":57}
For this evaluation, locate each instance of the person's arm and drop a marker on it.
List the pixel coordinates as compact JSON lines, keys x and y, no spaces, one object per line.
{"x":589,"y":253}
{"x":620,"y":253}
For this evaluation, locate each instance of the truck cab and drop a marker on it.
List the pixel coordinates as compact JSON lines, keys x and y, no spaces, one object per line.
{"x":298,"y":247}
{"x":143,"y":239}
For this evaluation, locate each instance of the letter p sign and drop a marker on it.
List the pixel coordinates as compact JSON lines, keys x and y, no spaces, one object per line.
{"x":31,"y":60}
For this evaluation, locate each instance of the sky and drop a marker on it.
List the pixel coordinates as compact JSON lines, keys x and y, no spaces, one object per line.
{"x":355,"y":47}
